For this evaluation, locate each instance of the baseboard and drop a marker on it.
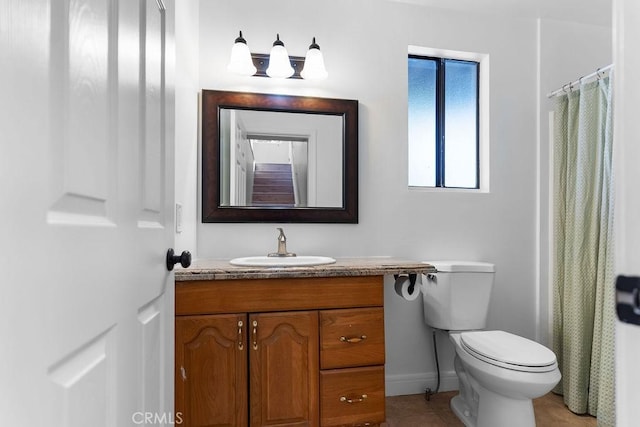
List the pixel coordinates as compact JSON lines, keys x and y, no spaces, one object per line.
{"x":397,"y":385}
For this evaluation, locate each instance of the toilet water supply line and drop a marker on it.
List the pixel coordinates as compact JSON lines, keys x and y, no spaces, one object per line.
{"x":428,"y":392}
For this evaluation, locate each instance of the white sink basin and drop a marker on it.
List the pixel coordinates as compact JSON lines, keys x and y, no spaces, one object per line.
{"x":295,"y":261}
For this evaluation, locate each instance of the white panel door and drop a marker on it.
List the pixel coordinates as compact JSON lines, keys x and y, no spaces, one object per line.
{"x":86,"y":186}
{"x":627,"y":210}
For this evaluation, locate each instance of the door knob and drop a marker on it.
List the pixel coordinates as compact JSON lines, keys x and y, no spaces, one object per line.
{"x":172,"y":259}
{"x":628,"y":299}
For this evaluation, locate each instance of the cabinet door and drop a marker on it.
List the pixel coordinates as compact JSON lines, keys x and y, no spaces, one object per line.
{"x":211,"y":370}
{"x":283,"y":359}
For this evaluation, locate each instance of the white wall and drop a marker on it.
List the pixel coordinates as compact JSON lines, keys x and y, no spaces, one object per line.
{"x":567,"y":51}
{"x":365,"y":44}
{"x":186,"y":140}
{"x":365,"y":47}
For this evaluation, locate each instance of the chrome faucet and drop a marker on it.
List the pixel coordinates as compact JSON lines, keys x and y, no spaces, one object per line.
{"x":282,"y":246}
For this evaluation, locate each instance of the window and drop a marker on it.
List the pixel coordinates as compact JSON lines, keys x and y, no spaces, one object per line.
{"x":444,"y":122}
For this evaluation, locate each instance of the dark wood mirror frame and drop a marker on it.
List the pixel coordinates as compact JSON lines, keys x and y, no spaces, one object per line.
{"x":212,"y":211}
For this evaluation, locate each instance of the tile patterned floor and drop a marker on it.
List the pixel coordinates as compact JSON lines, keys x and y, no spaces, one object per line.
{"x":415,"y":411}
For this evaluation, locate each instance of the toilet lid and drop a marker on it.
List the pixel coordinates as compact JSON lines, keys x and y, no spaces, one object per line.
{"x":509,"y":351}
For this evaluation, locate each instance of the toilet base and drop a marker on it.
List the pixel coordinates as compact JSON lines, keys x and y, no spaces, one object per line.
{"x":494,"y":410}
{"x":462,"y":411}
{"x":493,"y":396}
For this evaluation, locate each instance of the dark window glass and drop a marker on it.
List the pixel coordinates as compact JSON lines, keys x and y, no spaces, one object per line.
{"x":443,"y":122}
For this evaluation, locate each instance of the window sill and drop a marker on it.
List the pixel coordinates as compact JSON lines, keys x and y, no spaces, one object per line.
{"x":449,"y":190}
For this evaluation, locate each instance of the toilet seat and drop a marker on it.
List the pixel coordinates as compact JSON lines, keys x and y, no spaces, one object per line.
{"x":508,"y":351}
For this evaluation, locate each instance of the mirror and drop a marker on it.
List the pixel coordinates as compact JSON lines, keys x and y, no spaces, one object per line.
{"x":278,"y":158}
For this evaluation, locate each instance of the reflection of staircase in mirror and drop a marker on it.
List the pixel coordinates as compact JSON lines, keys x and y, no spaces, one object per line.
{"x":272,"y":185}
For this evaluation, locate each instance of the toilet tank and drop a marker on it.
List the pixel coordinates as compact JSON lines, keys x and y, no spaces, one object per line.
{"x":456,"y":298}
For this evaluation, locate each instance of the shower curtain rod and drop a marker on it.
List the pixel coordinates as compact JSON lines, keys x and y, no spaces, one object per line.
{"x":569,"y":86}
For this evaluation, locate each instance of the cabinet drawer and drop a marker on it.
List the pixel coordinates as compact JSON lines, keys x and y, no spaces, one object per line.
{"x":262,"y":295}
{"x":351,"y":337}
{"x":353,"y":396}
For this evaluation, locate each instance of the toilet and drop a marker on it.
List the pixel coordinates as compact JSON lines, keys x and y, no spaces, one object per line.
{"x":499,"y":373}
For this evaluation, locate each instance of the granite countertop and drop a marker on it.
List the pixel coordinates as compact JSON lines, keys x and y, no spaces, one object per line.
{"x":208,"y":269}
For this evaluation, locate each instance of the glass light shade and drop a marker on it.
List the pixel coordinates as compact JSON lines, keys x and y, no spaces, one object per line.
{"x":240,"y":61}
{"x":279,"y":64}
{"x":314,"y":66}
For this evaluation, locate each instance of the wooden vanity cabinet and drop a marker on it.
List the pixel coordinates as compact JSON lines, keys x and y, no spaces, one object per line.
{"x":277,"y":353}
{"x":211,"y":366}
{"x":283,"y":366}
{"x":285,"y":352}
{"x":352,"y":366}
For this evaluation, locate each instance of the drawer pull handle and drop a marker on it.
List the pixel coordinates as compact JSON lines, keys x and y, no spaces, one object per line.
{"x":255,"y":334}
{"x":353,"y":340}
{"x":240,"y":339}
{"x":346,"y":399}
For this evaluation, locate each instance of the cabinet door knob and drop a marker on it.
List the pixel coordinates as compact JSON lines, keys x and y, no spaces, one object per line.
{"x":255,"y":334}
{"x":346,"y":399}
{"x":172,"y":259}
{"x":240,"y":339}
{"x":353,"y":340}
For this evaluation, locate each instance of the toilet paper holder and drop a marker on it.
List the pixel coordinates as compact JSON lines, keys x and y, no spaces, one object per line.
{"x":412,"y":280}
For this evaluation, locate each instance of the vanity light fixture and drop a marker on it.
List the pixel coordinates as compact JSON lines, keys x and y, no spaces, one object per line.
{"x":241,"y":61}
{"x":278,"y":64}
{"x":314,"y":64}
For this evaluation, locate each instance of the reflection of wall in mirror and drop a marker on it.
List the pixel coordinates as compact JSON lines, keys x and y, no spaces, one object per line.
{"x":299,"y":159}
{"x":225,"y":145}
{"x":325,"y":166}
{"x":271,"y":151}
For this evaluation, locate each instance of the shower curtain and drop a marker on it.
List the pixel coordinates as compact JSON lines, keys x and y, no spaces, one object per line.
{"x":583,"y":281}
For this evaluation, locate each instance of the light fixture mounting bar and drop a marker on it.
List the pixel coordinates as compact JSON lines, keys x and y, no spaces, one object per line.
{"x":261,"y":62}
